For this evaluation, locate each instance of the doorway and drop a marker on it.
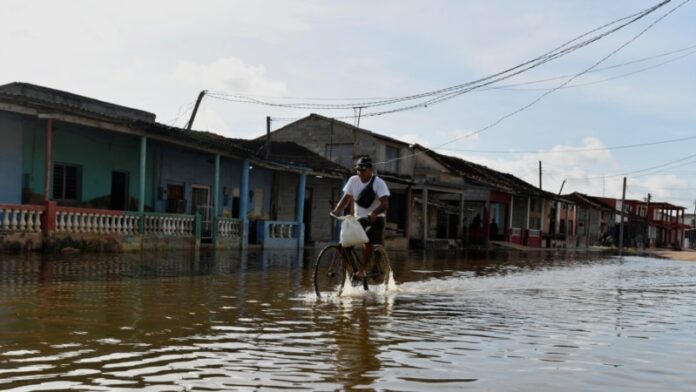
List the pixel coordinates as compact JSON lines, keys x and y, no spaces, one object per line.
{"x":307,"y":215}
{"x":200,"y":203}
{"x":119,"y":191}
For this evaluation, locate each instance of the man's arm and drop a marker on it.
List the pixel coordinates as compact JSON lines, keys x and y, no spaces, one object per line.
{"x":345,"y":201}
{"x":382,"y":207}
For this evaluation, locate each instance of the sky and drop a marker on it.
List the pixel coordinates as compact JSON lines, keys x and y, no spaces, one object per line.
{"x":158,"y":55}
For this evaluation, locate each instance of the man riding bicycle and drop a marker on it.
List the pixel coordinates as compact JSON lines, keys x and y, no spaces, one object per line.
{"x":370,"y":197}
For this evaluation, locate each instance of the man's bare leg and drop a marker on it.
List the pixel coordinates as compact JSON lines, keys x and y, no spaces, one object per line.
{"x":367,"y":253}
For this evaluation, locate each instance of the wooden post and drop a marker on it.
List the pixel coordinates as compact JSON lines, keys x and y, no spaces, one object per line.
{"x":267,"y":150}
{"x":195,"y":109}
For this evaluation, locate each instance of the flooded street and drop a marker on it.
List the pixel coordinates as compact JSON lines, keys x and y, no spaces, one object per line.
{"x":230,"y":321}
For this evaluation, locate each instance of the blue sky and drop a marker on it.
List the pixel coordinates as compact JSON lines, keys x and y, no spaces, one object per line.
{"x":158,"y":55}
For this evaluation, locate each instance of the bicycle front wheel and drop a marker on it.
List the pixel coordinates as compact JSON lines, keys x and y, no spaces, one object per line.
{"x":329,"y":270}
{"x":379,"y":269}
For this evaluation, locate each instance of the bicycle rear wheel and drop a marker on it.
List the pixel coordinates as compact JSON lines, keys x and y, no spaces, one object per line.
{"x":379,"y":268}
{"x":329,"y":270}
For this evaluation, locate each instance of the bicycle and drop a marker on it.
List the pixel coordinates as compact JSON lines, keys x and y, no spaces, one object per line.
{"x":335,"y":263}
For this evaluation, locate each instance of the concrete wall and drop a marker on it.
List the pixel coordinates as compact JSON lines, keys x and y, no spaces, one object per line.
{"x":286,"y":195}
{"x":183,"y":166}
{"x":325,"y":192}
{"x":10,"y":158}
{"x":314,"y":133}
{"x":96,"y":152}
{"x":261,"y":185}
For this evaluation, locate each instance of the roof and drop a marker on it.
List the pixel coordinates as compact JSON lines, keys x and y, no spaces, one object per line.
{"x":315,"y":116}
{"x":578,"y":197}
{"x":290,"y":153}
{"x":283,"y":154}
{"x":51,"y":100}
{"x":486,"y":176}
{"x":201,"y":138}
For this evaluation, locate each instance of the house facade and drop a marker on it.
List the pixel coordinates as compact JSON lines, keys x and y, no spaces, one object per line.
{"x":341,"y":143}
{"x":78,"y":172}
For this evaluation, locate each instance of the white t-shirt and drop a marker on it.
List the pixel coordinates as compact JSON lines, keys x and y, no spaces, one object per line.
{"x":354,"y":186}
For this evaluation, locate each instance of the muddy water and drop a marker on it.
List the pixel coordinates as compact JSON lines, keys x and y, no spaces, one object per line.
{"x":234,"y":321}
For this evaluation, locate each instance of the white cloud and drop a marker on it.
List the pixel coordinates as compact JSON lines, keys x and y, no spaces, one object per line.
{"x":229,"y":74}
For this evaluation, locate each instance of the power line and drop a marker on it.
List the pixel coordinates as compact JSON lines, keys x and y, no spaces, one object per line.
{"x":511,"y":88}
{"x":539,"y":98}
{"x":648,"y":169}
{"x":441,"y":95}
{"x":573,"y":150}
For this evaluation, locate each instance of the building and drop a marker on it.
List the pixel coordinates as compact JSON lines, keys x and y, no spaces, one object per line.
{"x":79,"y":172}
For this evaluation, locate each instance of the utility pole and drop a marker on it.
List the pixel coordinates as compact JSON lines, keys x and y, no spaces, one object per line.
{"x":195,"y":109}
{"x":647,"y":221}
{"x":541,"y":206}
{"x":623,"y":208}
{"x":267,"y":150}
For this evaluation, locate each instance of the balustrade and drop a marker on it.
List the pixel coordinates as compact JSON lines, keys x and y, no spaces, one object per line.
{"x":20,"y":219}
{"x":169,"y":225}
{"x":281,"y":229}
{"x":229,"y":227}
{"x":71,"y":221}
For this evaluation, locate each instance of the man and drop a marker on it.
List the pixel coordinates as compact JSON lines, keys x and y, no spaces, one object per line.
{"x":370,"y":197}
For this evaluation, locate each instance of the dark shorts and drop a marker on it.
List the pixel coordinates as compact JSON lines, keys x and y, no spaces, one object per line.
{"x":374,"y":229}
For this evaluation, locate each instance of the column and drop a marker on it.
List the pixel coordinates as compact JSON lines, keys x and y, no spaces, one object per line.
{"x":542,"y":217}
{"x":48,"y":159}
{"x":460,"y":228}
{"x":299,"y":207}
{"x":216,"y":197}
{"x":141,"y":189}
{"x":244,"y":202}
{"x":337,"y":223}
{"x":529,"y":209}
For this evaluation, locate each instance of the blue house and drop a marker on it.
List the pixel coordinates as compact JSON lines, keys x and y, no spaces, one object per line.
{"x":81,"y":171}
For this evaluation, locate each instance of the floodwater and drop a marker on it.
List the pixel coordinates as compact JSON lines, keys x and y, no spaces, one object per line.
{"x":231,"y":321}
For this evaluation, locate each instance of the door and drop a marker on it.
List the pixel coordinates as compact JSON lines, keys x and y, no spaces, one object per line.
{"x":497,"y":216}
{"x":200,"y":202}
{"x":119,"y":191}
{"x":307,"y":215}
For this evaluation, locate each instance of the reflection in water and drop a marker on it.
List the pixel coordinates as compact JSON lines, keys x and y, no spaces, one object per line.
{"x":238,"y":320}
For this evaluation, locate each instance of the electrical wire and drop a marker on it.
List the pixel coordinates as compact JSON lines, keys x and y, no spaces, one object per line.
{"x":548,"y":92}
{"x":444,"y":94}
{"x":578,"y":150}
{"x":601,"y":80}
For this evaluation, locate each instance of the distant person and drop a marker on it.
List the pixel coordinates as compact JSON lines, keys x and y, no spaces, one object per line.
{"x":494,"y":230}
{"x":476,"y":222}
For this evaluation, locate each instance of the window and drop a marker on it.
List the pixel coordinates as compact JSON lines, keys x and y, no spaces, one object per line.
{"x":392,"y":159}
{"x":66,"y":182}
{"x":340,"y":153}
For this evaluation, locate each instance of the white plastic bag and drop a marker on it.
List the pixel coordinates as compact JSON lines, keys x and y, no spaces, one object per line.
{"x":352,"y":232}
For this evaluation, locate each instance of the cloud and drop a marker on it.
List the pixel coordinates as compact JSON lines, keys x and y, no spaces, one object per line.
{"x":229,"y":74}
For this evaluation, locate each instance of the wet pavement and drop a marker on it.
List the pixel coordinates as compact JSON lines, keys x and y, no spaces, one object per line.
{"x":454,"y":321}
